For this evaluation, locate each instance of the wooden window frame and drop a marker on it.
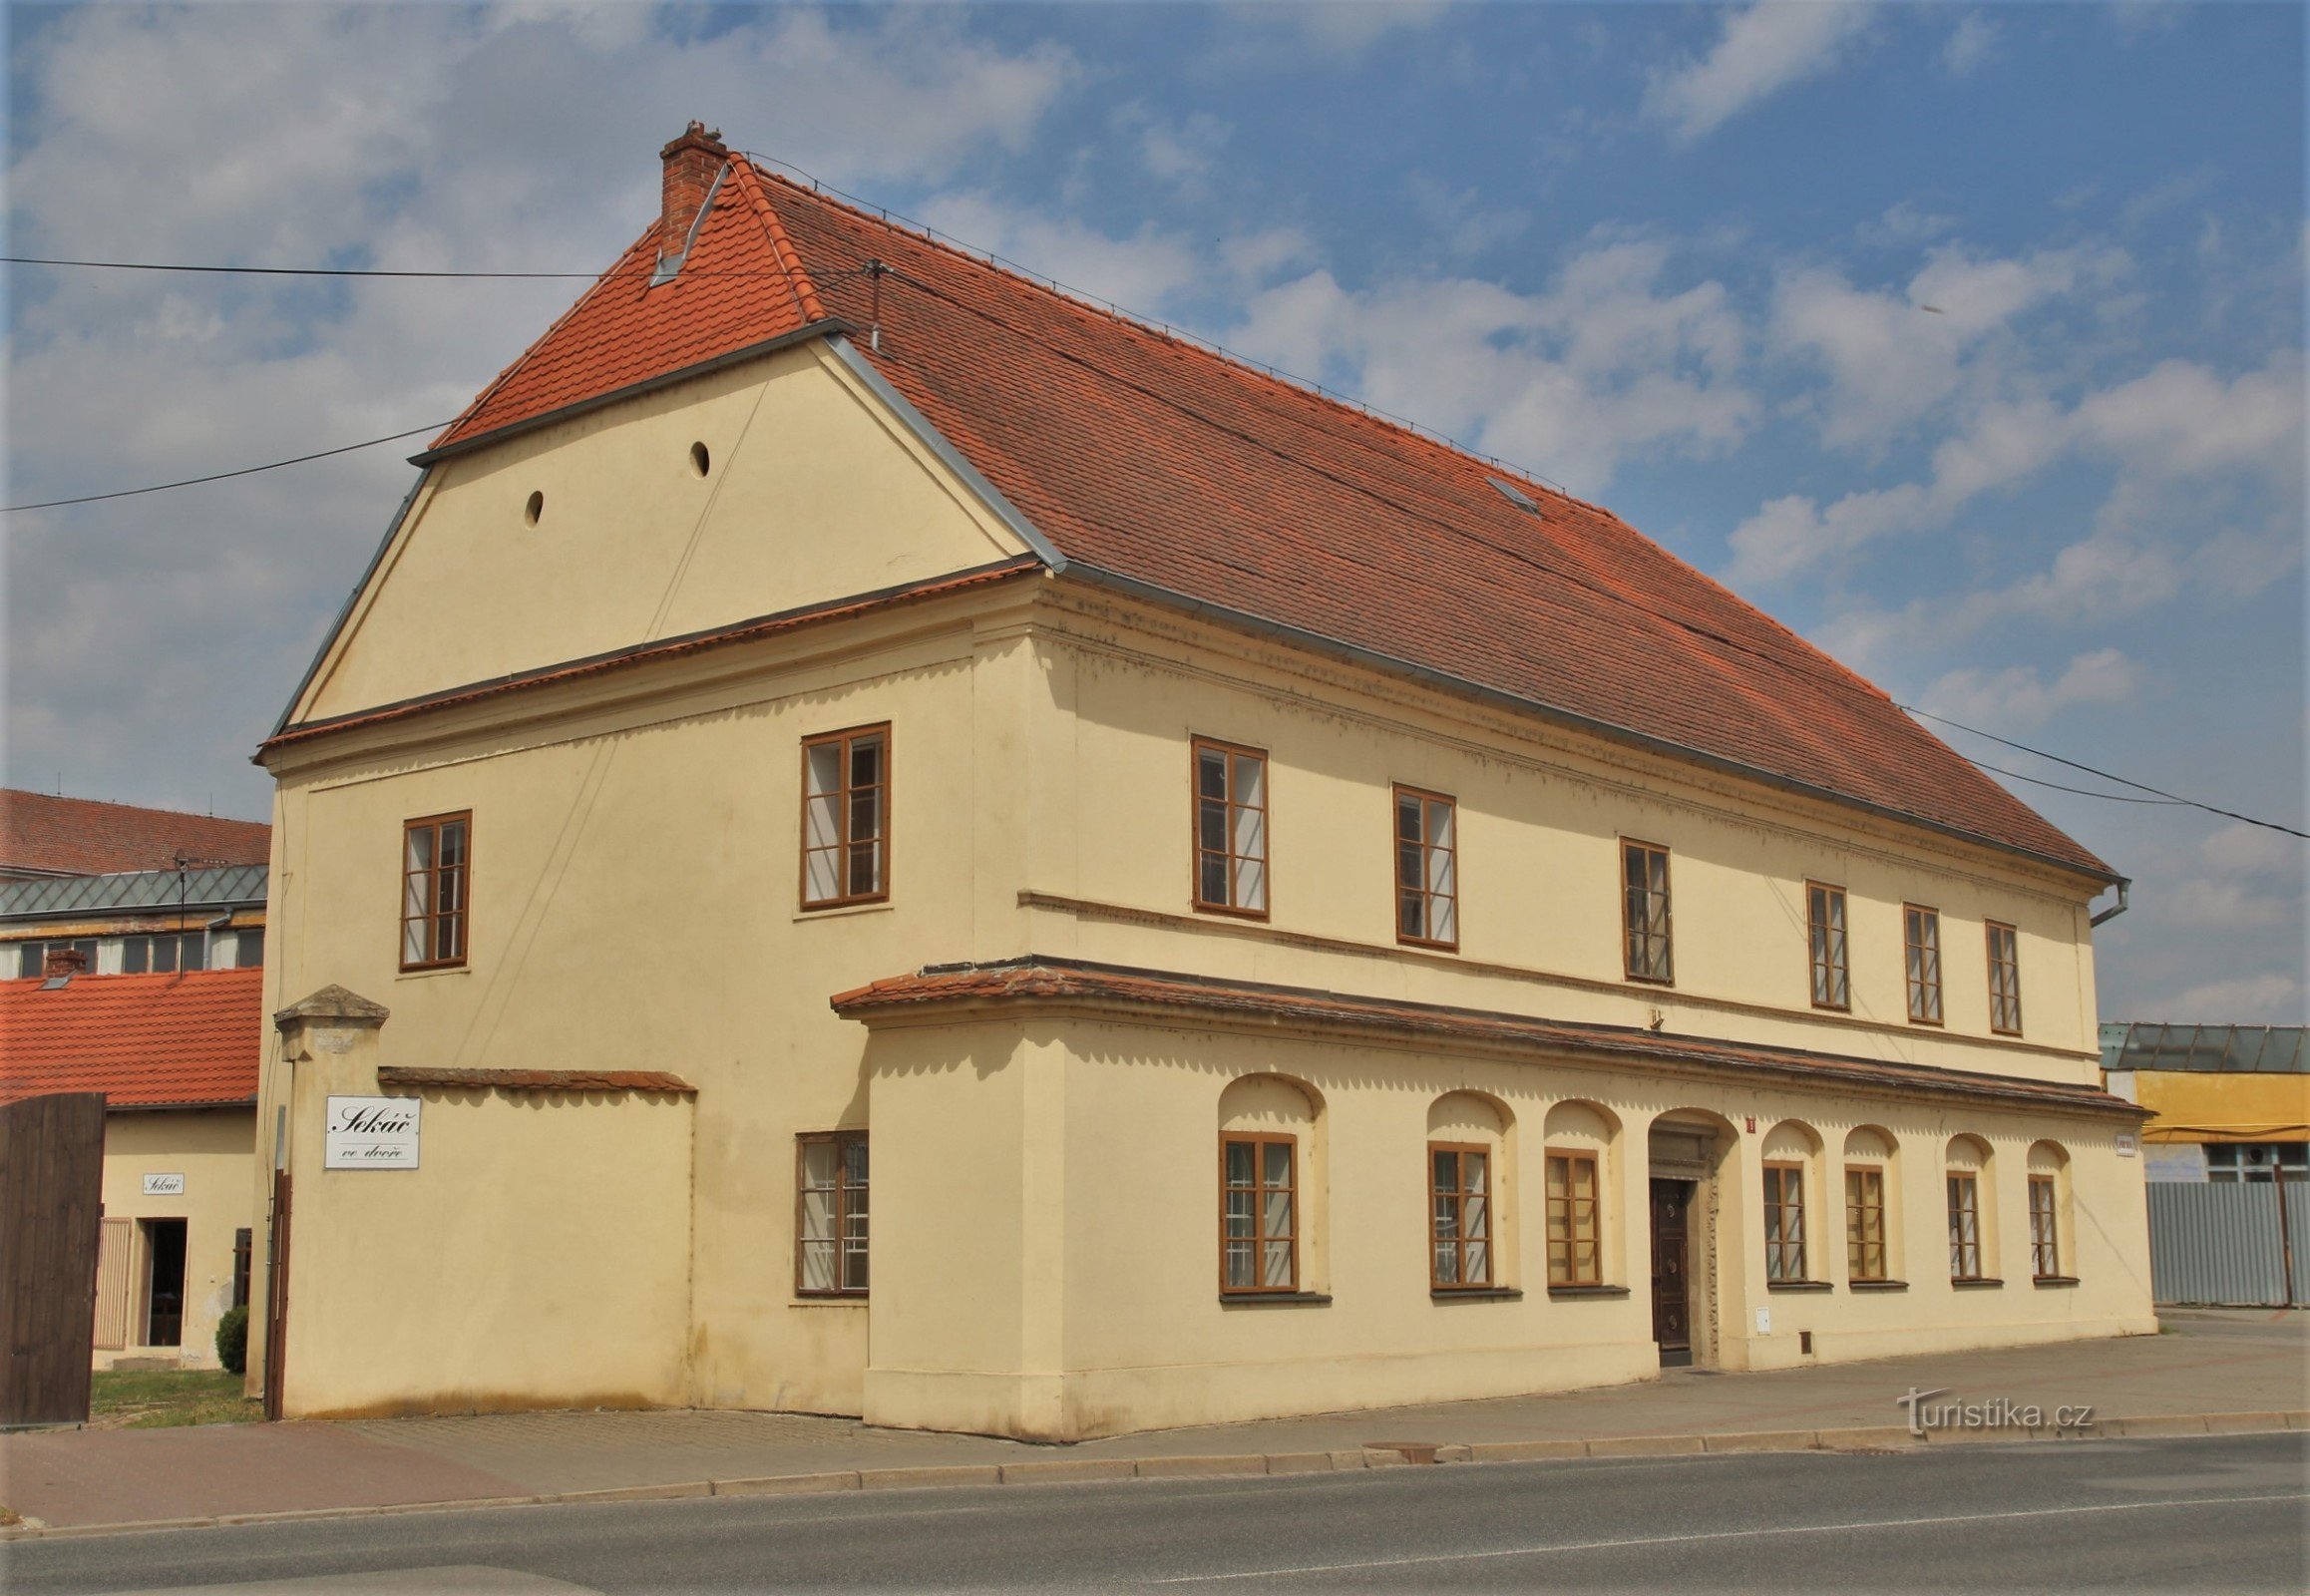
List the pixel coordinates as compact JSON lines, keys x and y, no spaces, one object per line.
{"x":1397,"y":842}
{"x":1970,"y":1182}
{"x":1230,"y":752}
{"x":1259,"y":1188}
{"x":433,"y":917}
{"x":1570,"y":1156}
{"x":1815,"y":945}
{"x":1856,"y":1234}
{"x":842,"y":1141}
{"x":1460,"y":1240}
{"x":1916,"y":984}
{"x":845,"y":844}
{"x":2046,"y":1246}
{"x":2010,"y":966}
{"x":1790,"y":1172}
{"x":1628,"y":928}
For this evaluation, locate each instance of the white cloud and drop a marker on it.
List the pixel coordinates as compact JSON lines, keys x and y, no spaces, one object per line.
{"x":1903,"y":225}
{"x":1176,"y":149}
{"x":1137,"y":273}
{"x":2019,"y":698}
{"x":2266,"y":1000}
{"x":1761,"y":51}
{"x":1972,"y":42}
{"x":423,"y":137}
{"x":1609,"y":360}
{"x":1342,"y":27}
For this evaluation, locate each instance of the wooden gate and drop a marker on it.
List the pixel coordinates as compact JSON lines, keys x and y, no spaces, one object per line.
{"x":52,"y":1161}
{"x":276,"y":1296}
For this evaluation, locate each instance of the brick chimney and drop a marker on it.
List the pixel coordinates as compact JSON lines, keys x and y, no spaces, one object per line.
{"x":65,"y":962}
{"x":692,"y":164}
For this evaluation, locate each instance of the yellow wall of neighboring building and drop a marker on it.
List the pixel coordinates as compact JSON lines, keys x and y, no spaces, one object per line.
{"x":212,"y":1148}
{"x":2204,"y":1106}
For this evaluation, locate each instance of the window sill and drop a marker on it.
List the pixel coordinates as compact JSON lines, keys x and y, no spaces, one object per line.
{"x":1474,"y":1293}
{"x":1573,"y":1293}
{"x":1230,"y":912}
{"x":1799,"y":1284}
{"x":852,"y":1300}
{"x":1977,"y":1283}
{"x":842,"y":910}
{"x":1877,"y":1285}
{"x":427,"y":972}
{"x":1275,"y":1299}
{"x":2055,"y":1280}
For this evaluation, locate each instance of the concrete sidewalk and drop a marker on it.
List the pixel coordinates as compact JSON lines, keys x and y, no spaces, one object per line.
{"x":2218,"y":1370}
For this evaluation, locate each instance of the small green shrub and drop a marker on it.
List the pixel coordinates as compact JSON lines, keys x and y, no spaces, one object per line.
{"x":232,"y":1341}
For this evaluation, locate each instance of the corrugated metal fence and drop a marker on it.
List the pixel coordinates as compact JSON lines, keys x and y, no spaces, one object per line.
{"x":2226,"y":1243}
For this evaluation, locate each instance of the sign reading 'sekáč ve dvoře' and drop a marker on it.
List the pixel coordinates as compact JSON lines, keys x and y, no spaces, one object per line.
{"x":371,"y":1133}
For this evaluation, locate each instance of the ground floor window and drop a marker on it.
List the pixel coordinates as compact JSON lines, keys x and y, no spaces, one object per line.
{"x":831,"y":1214}
{"x":1259,"y":1225}
{"x":1460,"y":1198}
{"x":1964,"y":1225}
{"x":1864,"y":1222}
{"x":1575,"y":1250}
{"x":2045,"y":1240}
{"x":1785,"y":1222}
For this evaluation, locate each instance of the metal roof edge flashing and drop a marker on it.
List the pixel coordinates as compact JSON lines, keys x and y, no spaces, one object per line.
{"x":1460,"y":685}
{"x":952,"y":457}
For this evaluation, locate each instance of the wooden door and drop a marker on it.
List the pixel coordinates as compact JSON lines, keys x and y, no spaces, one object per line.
{"x":1671,"y":1274}
{"x":276,"y":1297}
{"x":52,"y":1160}
{"x":113,"y":1294}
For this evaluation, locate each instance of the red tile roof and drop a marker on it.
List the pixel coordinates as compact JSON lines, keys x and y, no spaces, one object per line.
{"x":1159,"y":461}
{"x":540,"y":1080}
{"x":1059,"y":981}
{"x":83,"y":837}
{"x":144,"y":1041}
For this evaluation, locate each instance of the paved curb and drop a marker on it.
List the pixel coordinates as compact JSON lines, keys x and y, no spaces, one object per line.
{"x":1075,"y":1470}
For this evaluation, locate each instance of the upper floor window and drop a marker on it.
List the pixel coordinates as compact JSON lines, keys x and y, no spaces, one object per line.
{"x":1460,"y":1207}
{"x":845,"y":812}
{"x":1785,"y":1222}
{"x":1825,"y":915}
{"x":830,"y":1214}
{"x":2004,"y":980}
{"x":1259,"y":1220}
{"x":1231,"y":827}
{"x":1921,"y":939}
{"x":1427,"y":889}
{"x":436,"y":866}
{"x":1645,"y":910}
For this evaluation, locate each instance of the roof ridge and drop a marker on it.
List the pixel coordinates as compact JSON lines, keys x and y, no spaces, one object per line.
{"x":789,"y":258}
{"x":1107,"y":310}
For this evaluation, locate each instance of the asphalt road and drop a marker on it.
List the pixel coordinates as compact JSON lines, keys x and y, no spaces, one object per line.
{"x":2214,"y":1514}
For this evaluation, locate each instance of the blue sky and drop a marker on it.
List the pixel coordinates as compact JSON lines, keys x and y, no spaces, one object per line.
{"x":1966,"y":339}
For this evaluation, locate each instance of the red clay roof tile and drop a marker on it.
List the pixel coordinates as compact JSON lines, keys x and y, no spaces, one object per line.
{"x":83,"y":837}
{"x":1158,"y":461}
{"x":146,"y":1041}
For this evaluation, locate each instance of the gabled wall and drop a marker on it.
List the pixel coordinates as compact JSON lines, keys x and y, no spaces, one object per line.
{"x":813,"y":491}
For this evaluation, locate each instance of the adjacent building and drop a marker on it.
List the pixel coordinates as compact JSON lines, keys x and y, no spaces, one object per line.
{"x":176,"y":1056}
{"x":877,"y":839}
{"x":2226,"y":1103}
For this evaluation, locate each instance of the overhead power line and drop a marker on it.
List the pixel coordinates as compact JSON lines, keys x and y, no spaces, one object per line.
{"x":2157,"y":794}
{"x":221,"y":476}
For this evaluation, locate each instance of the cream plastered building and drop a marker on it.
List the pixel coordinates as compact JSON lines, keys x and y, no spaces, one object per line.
{"x":876,"y":841}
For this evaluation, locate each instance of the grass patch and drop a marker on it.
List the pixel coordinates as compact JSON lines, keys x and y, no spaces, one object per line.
{"x":162,"y":1399}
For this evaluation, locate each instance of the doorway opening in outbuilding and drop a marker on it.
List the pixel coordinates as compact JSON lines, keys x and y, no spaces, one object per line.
{"x":164,"y":1282}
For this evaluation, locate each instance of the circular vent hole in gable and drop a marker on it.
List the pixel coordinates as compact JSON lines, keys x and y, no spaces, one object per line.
{"x":700,"y":460}
{"x":534,"y":509}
